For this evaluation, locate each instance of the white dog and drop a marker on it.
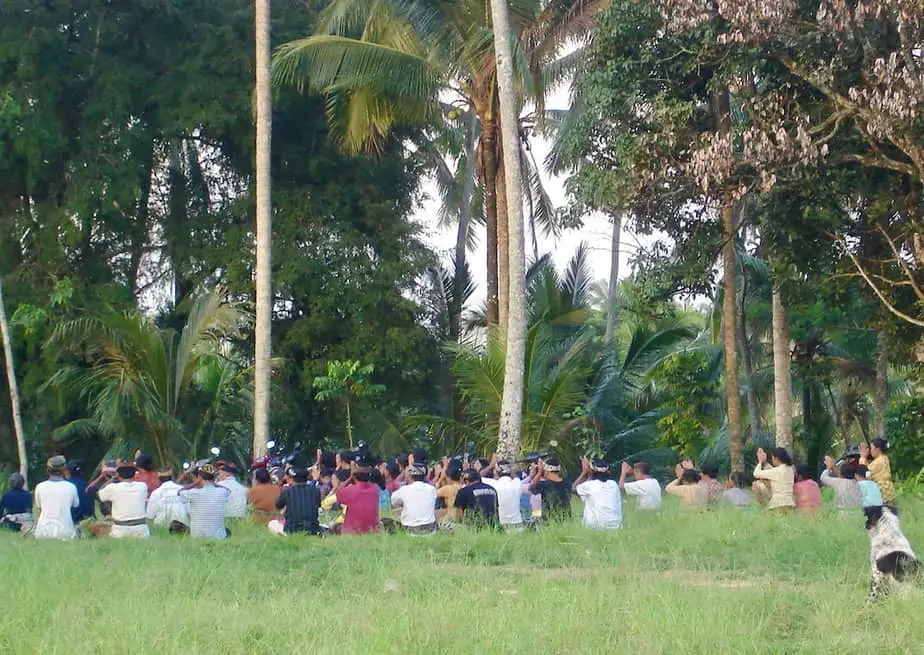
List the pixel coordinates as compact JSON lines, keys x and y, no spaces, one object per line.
{"x":891,"y":558}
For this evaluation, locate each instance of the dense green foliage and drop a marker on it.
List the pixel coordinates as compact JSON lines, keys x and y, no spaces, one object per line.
{"x":126,"y":201}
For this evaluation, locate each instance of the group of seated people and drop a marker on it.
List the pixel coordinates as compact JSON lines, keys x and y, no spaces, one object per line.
{"x":863,"y":478}
{"x":352,"y":493}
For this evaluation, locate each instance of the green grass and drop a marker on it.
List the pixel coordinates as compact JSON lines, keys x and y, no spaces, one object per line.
{"x":713,"y":583}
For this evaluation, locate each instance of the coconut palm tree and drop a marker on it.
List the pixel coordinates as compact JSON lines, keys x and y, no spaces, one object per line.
{"x":391,"y":62}
{"x":13,"y":387}
{"x":264,"y":282}
{"x":139,"y":381}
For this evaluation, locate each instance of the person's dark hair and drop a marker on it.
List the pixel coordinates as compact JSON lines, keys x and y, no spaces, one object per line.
{"x":362,"y":476}
{"x":401,"y":460}
{"x":261,"y":476}
{"x":328,"y":460}
{"x":454,"y":473}
{"x":804,"y":471}
{"x":165,"y":474}
{"x":848,"y":471}
{"x":643,"y":467}
{"x":689,"y":476}
{"x":419,"y":476}
{"x":228,"y":467}
{"x":17,"y":481}
{"x":860,"y":470}
{"x":145,"y":462}
{"x":783,"y":455}
{"x":300,"y":475}
{"x":342,"y":474}
{"x":711,"y":470}
{"x":393,"y":469}
{"x":126,"y":472}
{"x":471,"y":475}
{"x":376,"y":477}
{"x":347,"y":456}
{"x":881,"y":444}
{"x":738,"y":479}
{"x":326,"y":471}
{"x":75,"y":467}
{"x":208,"y":476}
{"x":420,"y":456}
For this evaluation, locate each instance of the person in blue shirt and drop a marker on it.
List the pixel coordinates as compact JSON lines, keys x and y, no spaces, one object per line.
{"x":16,"y":504}
{"x":74,"y":475}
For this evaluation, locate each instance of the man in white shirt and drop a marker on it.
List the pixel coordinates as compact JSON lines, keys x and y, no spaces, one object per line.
{"x":644,"y":486}
{"x":54,"y":499}
{"x":417,"y":502}
{"x":129,"y":500}
{"x":237,"y":493}
{"x":165,"y":506}
{"x":509,"y":490}
{"x":601,"y":496}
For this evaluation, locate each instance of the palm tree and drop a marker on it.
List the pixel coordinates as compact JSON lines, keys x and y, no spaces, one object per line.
{"x":387,"y":63}
{"x":140,"y":381}
{"x":264,"y":292}
{"x":13,"y":387}
{"x":512,"y":405}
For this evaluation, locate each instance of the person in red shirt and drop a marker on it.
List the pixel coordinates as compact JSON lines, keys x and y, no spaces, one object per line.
{"x":806,"y":491}
{"x":361,"y":499}
{"x":144,"y":471}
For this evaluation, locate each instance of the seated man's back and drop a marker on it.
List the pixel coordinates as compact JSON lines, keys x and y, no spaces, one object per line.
{"x":301,"y":501}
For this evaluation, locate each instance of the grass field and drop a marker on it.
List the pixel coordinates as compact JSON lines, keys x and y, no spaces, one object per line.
{"x":713,"y":583}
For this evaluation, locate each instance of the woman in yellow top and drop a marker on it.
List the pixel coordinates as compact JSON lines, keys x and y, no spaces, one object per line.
{"x":781,"y":477}
{"x":880,"y":469}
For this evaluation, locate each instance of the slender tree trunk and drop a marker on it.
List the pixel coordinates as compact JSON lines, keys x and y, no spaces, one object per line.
{"x":614,"y":280}
{"x":14,"y":389}
{"x":264,"y":291}
{"x":489,"y":183}
{"x":882,"y":382}
{"x":140,"y":229}
{"x":741,"y":335}
{"x":782,"y":378}
{"x":511,"y":419}
{"x":503,"y":245}
{"x":465,"y":220}
{"x":349,"y":425}
{"x":722,"y":115}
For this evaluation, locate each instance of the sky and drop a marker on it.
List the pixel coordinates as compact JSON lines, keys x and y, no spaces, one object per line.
{"x":596,"y":231}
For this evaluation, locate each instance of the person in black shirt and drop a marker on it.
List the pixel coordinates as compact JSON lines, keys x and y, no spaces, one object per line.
{"x":477,"y":501}
{"x":301,"y":502}
{"x":74,"y":475}
{"x":16,"y":504}
{"x":556,"y":493}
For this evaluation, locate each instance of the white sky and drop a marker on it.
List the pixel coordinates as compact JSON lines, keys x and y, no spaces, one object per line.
{"x":596,"y":231}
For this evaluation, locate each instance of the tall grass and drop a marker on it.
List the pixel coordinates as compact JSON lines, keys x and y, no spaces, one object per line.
{"x":717,"y":582}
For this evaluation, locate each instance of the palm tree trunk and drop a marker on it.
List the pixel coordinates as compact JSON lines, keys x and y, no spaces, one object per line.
{"x":614,"y":280}
{"x":465,"y":220}
{"x":14,"y":389}
{"x":882,"y":382}
{"x":349,"y":425}
{"x":782,"y":378}
{"x":722,"y":116}
{"x":503,"y":245}
{"x":489,"y":183}
{"x":511,"y":418}
{"x":264,"y":295}
{"x":741,"y":335}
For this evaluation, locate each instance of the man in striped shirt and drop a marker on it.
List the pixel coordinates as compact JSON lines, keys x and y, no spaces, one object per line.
{"x":301,"y":501}
{"x":207,"y":503}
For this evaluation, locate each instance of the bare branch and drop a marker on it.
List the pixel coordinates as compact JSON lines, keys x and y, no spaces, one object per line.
{"x":872,"y":285}
{"x":902,"y":263}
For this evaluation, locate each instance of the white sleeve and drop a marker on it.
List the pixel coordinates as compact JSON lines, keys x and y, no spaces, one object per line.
{"x":37,"y":498}
{"x":582,"y":490}
{"x":634,"y":489}
{"x":397,"y":497}
{"x":105,"y":494}
{"x":75,"y":497}
{"x":153,"y":502}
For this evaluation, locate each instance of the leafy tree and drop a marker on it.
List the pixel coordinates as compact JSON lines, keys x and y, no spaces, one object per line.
{"x":346,"y":382}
